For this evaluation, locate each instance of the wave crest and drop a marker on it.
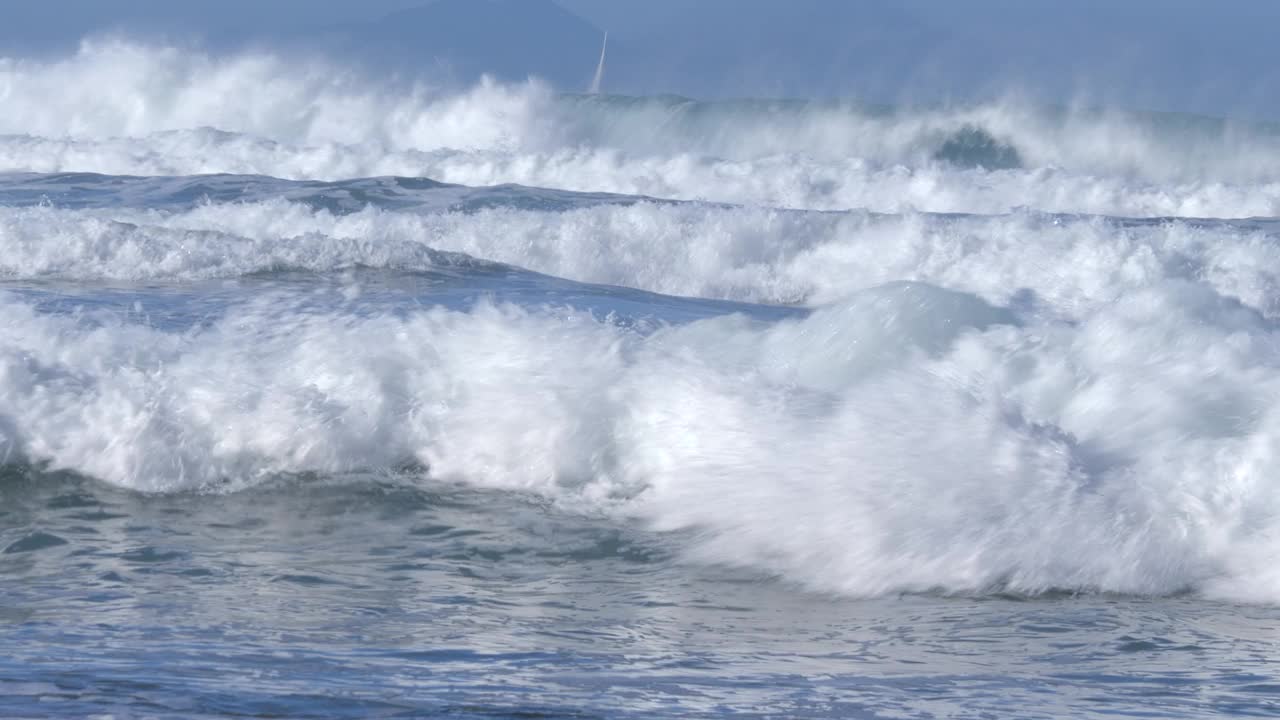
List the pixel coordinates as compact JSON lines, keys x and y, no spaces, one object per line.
{"x":905,"y":438}
{"x":1060,"y":265}
{"x":124,"y":108}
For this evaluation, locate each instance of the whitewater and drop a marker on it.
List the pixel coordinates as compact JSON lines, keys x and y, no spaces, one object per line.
{"x":499,"y":398}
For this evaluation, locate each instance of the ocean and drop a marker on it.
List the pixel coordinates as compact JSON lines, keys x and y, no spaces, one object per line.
{"x":327,"y":396}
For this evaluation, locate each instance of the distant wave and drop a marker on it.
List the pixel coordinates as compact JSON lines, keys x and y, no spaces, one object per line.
{"x":132,"y":109}
{"x":91,"y":190}
{"x":778,"y":181}
{"x":1069,"y":263}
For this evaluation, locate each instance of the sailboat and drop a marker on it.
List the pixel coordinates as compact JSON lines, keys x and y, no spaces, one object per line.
{"x":595,"y":82}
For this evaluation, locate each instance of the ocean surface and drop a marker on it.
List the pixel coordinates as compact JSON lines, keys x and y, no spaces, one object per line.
{"x":327,"y":396}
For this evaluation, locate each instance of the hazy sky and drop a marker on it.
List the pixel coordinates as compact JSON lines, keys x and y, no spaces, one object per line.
{"x":1209,"y":56}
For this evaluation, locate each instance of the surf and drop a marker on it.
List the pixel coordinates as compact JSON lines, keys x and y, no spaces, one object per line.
{"x":905,"y":438}
{"x":146,"y":110}
{"x":966,"y":350}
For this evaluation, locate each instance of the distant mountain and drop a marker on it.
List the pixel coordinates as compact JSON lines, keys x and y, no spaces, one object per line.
{"x":769,"y":47}
{"x":57,"y":26}
{"x":508,"y":39}
{"x":1185,"y":55}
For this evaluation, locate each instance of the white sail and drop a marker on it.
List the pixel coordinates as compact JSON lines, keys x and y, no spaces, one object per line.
{"x":595,"y":82}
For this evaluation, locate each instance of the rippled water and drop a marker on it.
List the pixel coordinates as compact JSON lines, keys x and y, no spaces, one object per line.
{"x":388,"y":596}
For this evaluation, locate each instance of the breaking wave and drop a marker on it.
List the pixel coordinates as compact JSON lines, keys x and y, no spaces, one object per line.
{"x":1063,"y":264}
{"x":1029,"y":349}
{"x":904,"y":438}
{"x":120,"y":108}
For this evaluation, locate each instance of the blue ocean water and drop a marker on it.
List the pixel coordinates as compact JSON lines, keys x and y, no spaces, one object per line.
{"x":384,"y":596}
{"x":504,"y":403}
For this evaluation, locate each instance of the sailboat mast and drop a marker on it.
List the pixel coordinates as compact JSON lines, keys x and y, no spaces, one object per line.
{"x":595,"y":82}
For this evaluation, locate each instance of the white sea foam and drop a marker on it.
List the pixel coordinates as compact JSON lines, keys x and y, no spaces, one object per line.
{"x":905,"y":438}
{"x":1068,"y":265}
{"x":43,"y":243}
{"x":779,"y":181}
{"x":1023,"y":401}
{"x":121,"y":108}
